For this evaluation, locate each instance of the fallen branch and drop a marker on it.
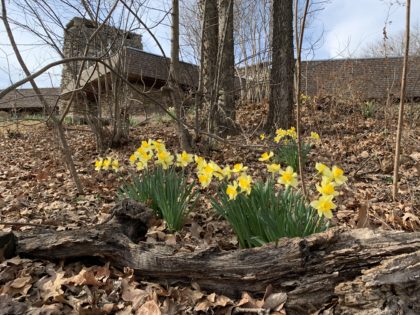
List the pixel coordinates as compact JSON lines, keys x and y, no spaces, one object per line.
{"x":312,"y":271}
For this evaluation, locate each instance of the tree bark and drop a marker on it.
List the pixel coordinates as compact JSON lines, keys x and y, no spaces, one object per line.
{"x":226,"y":113}
{"x":382,"y":266}
{"x":183,"y":134}
{"x":280,"y":112}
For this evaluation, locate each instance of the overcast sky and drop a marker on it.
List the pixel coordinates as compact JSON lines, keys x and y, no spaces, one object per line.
{"x":347,"y":26}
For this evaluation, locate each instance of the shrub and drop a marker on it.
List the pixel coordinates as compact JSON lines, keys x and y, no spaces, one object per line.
{"x":266,"y":215}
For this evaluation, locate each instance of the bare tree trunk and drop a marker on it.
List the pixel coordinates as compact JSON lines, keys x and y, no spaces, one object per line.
{"x":226,"y":73}
{"x":299,"y":41}
{"x":183,"y":135}
{"x":402,"y":100}
{"x":56,"y":123}
{"x":209,"y":51}
{"x":280,"y":113}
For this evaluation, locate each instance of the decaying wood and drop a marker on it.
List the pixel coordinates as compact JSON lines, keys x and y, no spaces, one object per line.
{"x":361,"y":270}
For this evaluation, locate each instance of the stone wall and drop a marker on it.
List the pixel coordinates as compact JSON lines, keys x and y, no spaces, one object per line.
{"x":106,"y":43}
{"x":369,"y":78}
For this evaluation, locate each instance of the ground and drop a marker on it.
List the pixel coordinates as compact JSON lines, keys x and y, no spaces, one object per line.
{"x":36,"y":188}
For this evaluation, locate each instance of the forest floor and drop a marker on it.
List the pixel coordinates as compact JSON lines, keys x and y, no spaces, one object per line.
{"x":36,"y":188}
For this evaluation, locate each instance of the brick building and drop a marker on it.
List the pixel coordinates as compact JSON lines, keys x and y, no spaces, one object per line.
{"x":369,"y":78}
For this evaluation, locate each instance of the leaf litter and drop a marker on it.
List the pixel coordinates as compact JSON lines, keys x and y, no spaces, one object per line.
{"x":36,"y":188}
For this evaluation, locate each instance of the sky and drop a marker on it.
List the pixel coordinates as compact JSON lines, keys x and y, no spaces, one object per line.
{"x":346,"y":26}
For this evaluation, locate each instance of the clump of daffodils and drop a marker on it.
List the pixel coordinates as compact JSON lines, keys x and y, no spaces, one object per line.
{"x":330,"y":179}
{"x":107,"y":164}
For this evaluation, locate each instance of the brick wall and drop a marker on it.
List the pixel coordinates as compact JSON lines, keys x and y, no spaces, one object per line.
{"x":360,"y":78}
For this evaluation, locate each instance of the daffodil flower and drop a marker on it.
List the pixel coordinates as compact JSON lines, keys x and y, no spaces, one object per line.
{"x":262,"y":136}
{"x":205,"y":179}
{"x":165,"y":159}
{"x":106,"y":163}
{"x":323,"y":169}
{"x":273,"y":168}
{"x":184,"y":159}
{"x":232,"y":190}
{"x":266,"y":156}
{"x":158,"y":145}
{"x":239,"y":167}
{"x":315,"y":136}
{"x":98,"y":164}
{"x":115,"y":165}
{"x":201,"y":162}
{"x":327,"y":187}
{"x":324,"y":205}
{"x":141,"y":166}
{"x":147,"y":145}
{"x":244,"y":182}
{"x":227,"y":172}
{"x":133,"y":158}
{"x":338,"y":175}
{"x":288,"y":177}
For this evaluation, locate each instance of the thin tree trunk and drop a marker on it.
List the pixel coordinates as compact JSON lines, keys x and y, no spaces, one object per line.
{"x":183,"y":135}
{"x":402,"y":100}
{"x":226,"y":112}
{"x":280,"y":112}
{"x":56,"y":123}
{"x":299,"y":41}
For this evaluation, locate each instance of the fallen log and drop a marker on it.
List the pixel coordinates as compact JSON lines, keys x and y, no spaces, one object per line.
{"x":315,"y":271}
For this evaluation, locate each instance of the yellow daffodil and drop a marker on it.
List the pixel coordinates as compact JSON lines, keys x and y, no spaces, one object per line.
{"x":323,"y":169}
{"x":227,"y":172}
{"x":327,"y":187}
{"x":239,"y":167}
{"x":106,"y":163}
{"x":133,"y":158}
{"x":141,"y":166}
{"x":266,"y":156}
{"x":288,"y":177}
{"x":147,"y":145}
{"x":244,"y":182}
{"x":158,"y":145}
{"x":277,"y":138}
{"x":324,"y":205}
{"x":315,"y":136}
{"x":338,"y":175}
{"x":273,"y":168}
{"x":183,"y":159}
{"x":204,"y":179}
{"x":201,"y":162}
{"x":165,"y":159}
{"x":262,"y":136}
{"x":292,"y":133}
{"x":115,"y":165}
{"x":232,"y":190}
{"x":281,"y":133}
{"x":98,"y":164}
{"x":143,"y":154}
{"x":217,"y":171}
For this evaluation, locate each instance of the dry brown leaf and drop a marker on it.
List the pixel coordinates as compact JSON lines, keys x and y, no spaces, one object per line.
{"x":149,"y":308}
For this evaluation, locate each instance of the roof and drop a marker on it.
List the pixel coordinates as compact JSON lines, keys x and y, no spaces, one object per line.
{"x":26,"y":98}
{"x":144,"y":64}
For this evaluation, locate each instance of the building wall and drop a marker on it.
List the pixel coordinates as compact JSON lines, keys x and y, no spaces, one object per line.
{"x":369,"y":78}
{"x":106,"y":43}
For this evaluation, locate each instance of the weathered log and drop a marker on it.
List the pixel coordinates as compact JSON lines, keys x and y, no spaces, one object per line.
{"x":313,"y":271}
